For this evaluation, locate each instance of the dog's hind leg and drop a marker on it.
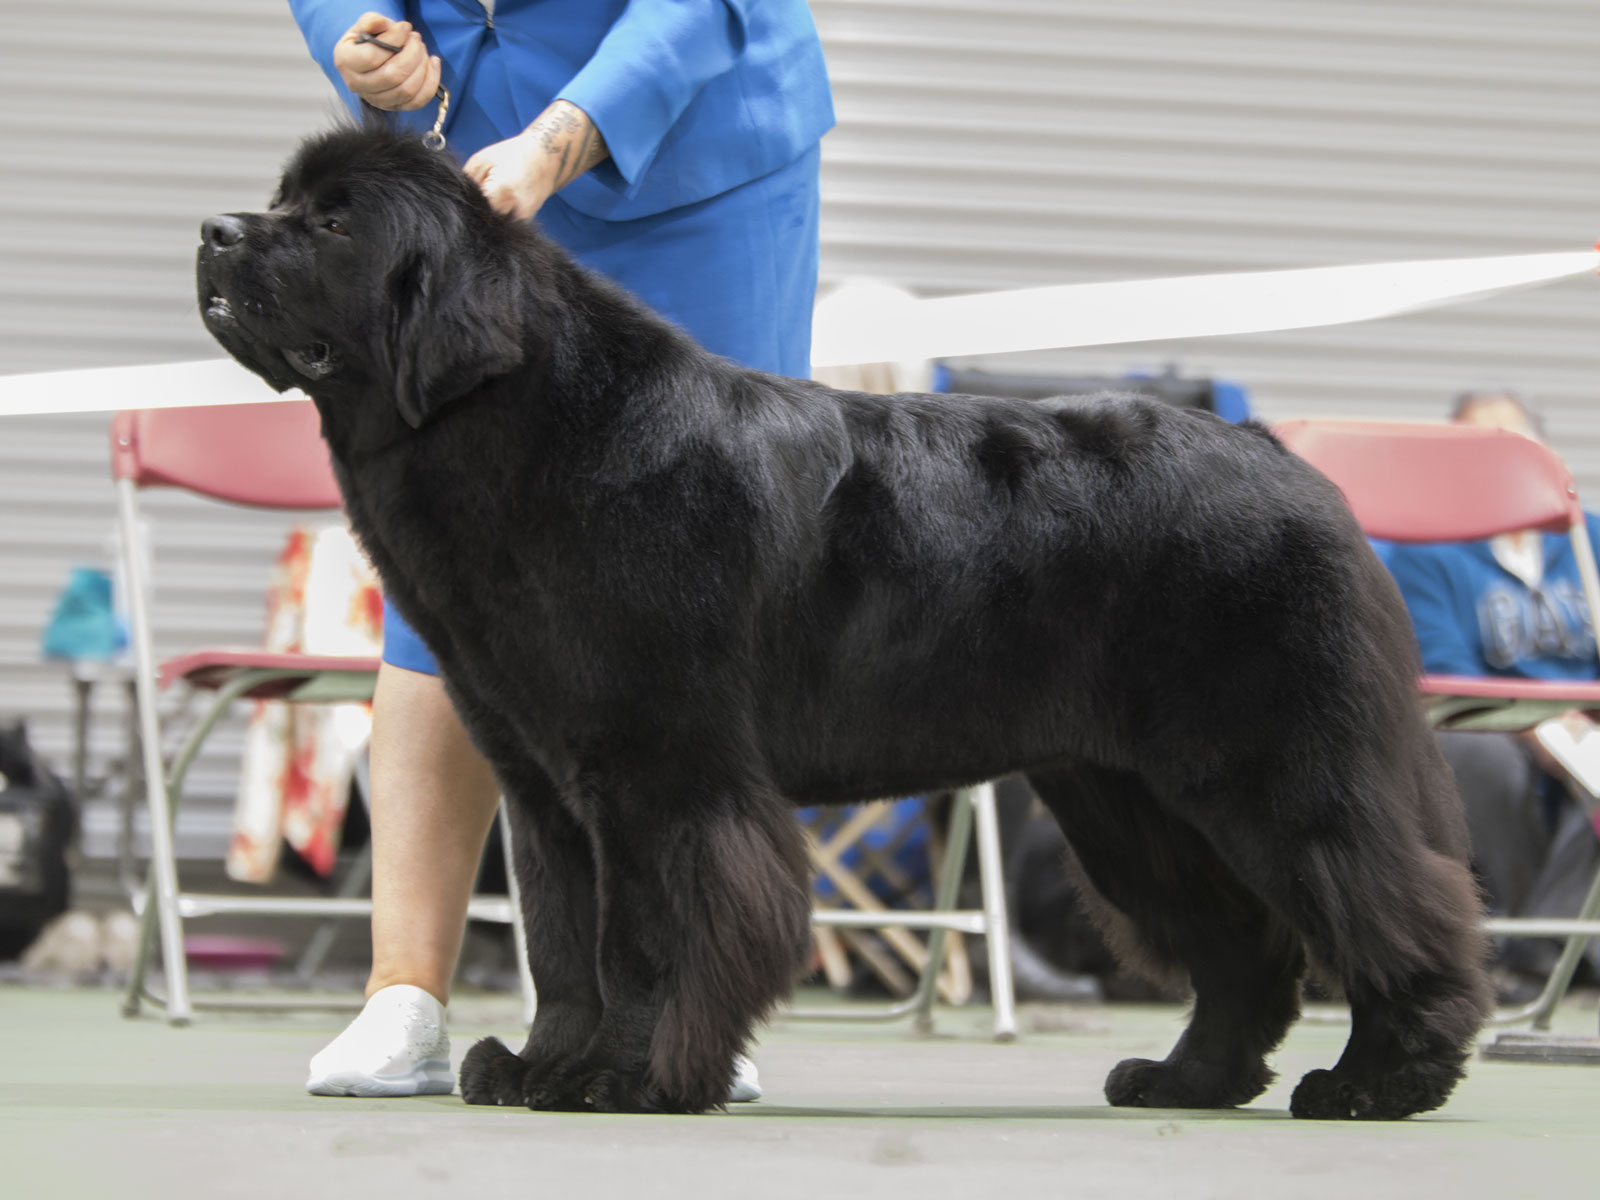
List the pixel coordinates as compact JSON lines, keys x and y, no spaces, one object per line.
{"x":704,"y":925}
{"x":555,"y":876}
{"x":1412,"y":956}
{"x":1170,"y":906}
{"x":1365,"y":859}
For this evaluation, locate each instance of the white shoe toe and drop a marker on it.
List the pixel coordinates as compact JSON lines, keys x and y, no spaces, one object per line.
{"x":397,"y":1046}
{"x":746,"y":1082}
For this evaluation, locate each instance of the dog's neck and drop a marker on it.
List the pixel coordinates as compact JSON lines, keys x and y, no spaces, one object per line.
{"x":583,"y":385}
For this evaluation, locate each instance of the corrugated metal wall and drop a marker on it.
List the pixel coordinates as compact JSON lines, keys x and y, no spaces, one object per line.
{"x":980,"y":145}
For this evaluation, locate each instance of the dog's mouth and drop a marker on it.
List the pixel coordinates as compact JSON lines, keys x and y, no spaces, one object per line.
{"x":316,"y":361}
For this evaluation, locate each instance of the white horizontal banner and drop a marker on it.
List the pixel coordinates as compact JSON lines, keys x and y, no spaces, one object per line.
{"x":161,"y":385}
{"x":872,"y":324}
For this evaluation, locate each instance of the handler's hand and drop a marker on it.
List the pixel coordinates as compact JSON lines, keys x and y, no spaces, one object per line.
{"x":519,"y":174}
{"x":390,"y":80}
{"x":516,"y":175}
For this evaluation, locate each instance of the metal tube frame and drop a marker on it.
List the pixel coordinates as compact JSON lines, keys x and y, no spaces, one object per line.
{"x":1578,"y":932}
{"x":162,"y":790}
{"x":161,"y":905}
{"x":163,"y":861}
{"x":972,"y":805}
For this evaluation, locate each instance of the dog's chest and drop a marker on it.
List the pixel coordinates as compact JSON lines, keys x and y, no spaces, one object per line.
{"x":457,"y":555}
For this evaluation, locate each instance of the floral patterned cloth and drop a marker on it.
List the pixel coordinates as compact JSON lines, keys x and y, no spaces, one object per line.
{"x":299,"y":758}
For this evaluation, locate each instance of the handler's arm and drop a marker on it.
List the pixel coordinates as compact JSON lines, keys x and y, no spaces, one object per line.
{"x":519,"y":174}
{"x":650,"y":65}
{"x":644,"y":73}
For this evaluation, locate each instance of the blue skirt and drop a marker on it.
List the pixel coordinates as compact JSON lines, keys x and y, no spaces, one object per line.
{"x":737,"y":271}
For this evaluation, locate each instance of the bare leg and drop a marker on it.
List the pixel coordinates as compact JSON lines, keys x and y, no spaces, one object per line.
{"x":433,"y":800}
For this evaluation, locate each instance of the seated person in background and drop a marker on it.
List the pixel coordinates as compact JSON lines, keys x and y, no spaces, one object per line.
{"x":1511,"y":606}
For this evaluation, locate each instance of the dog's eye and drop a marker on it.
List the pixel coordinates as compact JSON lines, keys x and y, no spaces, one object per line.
{"x":334,"y":225}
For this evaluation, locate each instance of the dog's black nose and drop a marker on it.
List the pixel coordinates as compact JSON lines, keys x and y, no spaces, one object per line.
{"x":222,"y":232}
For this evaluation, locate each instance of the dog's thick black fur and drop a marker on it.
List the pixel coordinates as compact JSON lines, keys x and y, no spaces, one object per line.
{"x":672,"y":597}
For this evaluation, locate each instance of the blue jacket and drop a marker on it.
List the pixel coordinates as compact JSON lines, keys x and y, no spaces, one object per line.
{"x":693,"y":97}
{"x":1473,"y":617}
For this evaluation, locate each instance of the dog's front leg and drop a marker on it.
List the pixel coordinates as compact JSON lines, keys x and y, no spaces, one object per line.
{"x":704,"y":924}
{"x":555,"y":875}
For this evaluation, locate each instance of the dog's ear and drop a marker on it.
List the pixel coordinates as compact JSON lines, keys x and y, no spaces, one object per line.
{"x":454,"y":329}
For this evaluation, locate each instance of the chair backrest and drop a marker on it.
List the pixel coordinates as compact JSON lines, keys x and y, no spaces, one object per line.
{"x":263,"y":455}
{"x":1438,"y":482}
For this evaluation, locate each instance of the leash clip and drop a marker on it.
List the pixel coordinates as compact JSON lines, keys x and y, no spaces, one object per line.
{"x":434,"y":138}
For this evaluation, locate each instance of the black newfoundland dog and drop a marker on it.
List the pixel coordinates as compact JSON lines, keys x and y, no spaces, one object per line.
{"x":672,"y":597}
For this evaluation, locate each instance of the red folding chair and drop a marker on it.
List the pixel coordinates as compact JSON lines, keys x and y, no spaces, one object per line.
{"x":264,"y":456}
{"x":1435,"y":482}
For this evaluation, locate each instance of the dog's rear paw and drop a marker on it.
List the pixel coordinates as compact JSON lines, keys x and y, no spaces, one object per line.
{"x":1342,"y":1096}
{"x":1140,"y":1083}
{"x":492,"y":1074}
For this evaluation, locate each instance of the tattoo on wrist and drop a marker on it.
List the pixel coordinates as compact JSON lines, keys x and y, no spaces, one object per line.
{"x":570,"y":139}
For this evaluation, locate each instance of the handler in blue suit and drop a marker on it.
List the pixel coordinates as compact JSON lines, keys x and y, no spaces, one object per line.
{"x":681,"y":136}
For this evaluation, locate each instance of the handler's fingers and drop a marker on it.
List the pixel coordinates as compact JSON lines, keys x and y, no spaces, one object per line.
{"x":477,"y":167}
{"x":503,"y":195}
{"x":500,"y":194}
{"x":396,"y":65}
{"x":433,"y":79}
{"x":354,"y":58}
{"x":377,"y":25}
{"x":414,"y":91}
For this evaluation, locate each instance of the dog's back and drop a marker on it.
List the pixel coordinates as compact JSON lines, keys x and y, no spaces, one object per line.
{"x":987,"y":585}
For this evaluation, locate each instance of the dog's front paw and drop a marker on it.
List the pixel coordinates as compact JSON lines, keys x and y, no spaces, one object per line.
{"x":607,"y":1088}
{"x":584,"y":1086}
{"x":492,"y":1074}
{"x":1134,"y":1082}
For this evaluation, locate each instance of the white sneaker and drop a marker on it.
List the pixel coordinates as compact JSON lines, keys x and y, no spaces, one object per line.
{"x":746,"y":1083}
{"x":397,"y":1046}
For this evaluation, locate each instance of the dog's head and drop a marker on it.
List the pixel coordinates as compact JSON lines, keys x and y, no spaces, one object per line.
{"x":378,"y":270}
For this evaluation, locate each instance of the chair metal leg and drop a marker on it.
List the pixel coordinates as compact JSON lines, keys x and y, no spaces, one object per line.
{"x":1567,"y":965}
{"x":1539,"y":1044}
{"x":997,"y":929}
{"x":128,"y":802}
{"x":321,"y":940}
{"x":163,"y":862}
{"x":1542,"y":1008}
{"x":519,"y":931}
{"x":972,"y":807}
{"x":163,"y":895}
{"x":143,"y":948}
{"x":957,"y":838}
